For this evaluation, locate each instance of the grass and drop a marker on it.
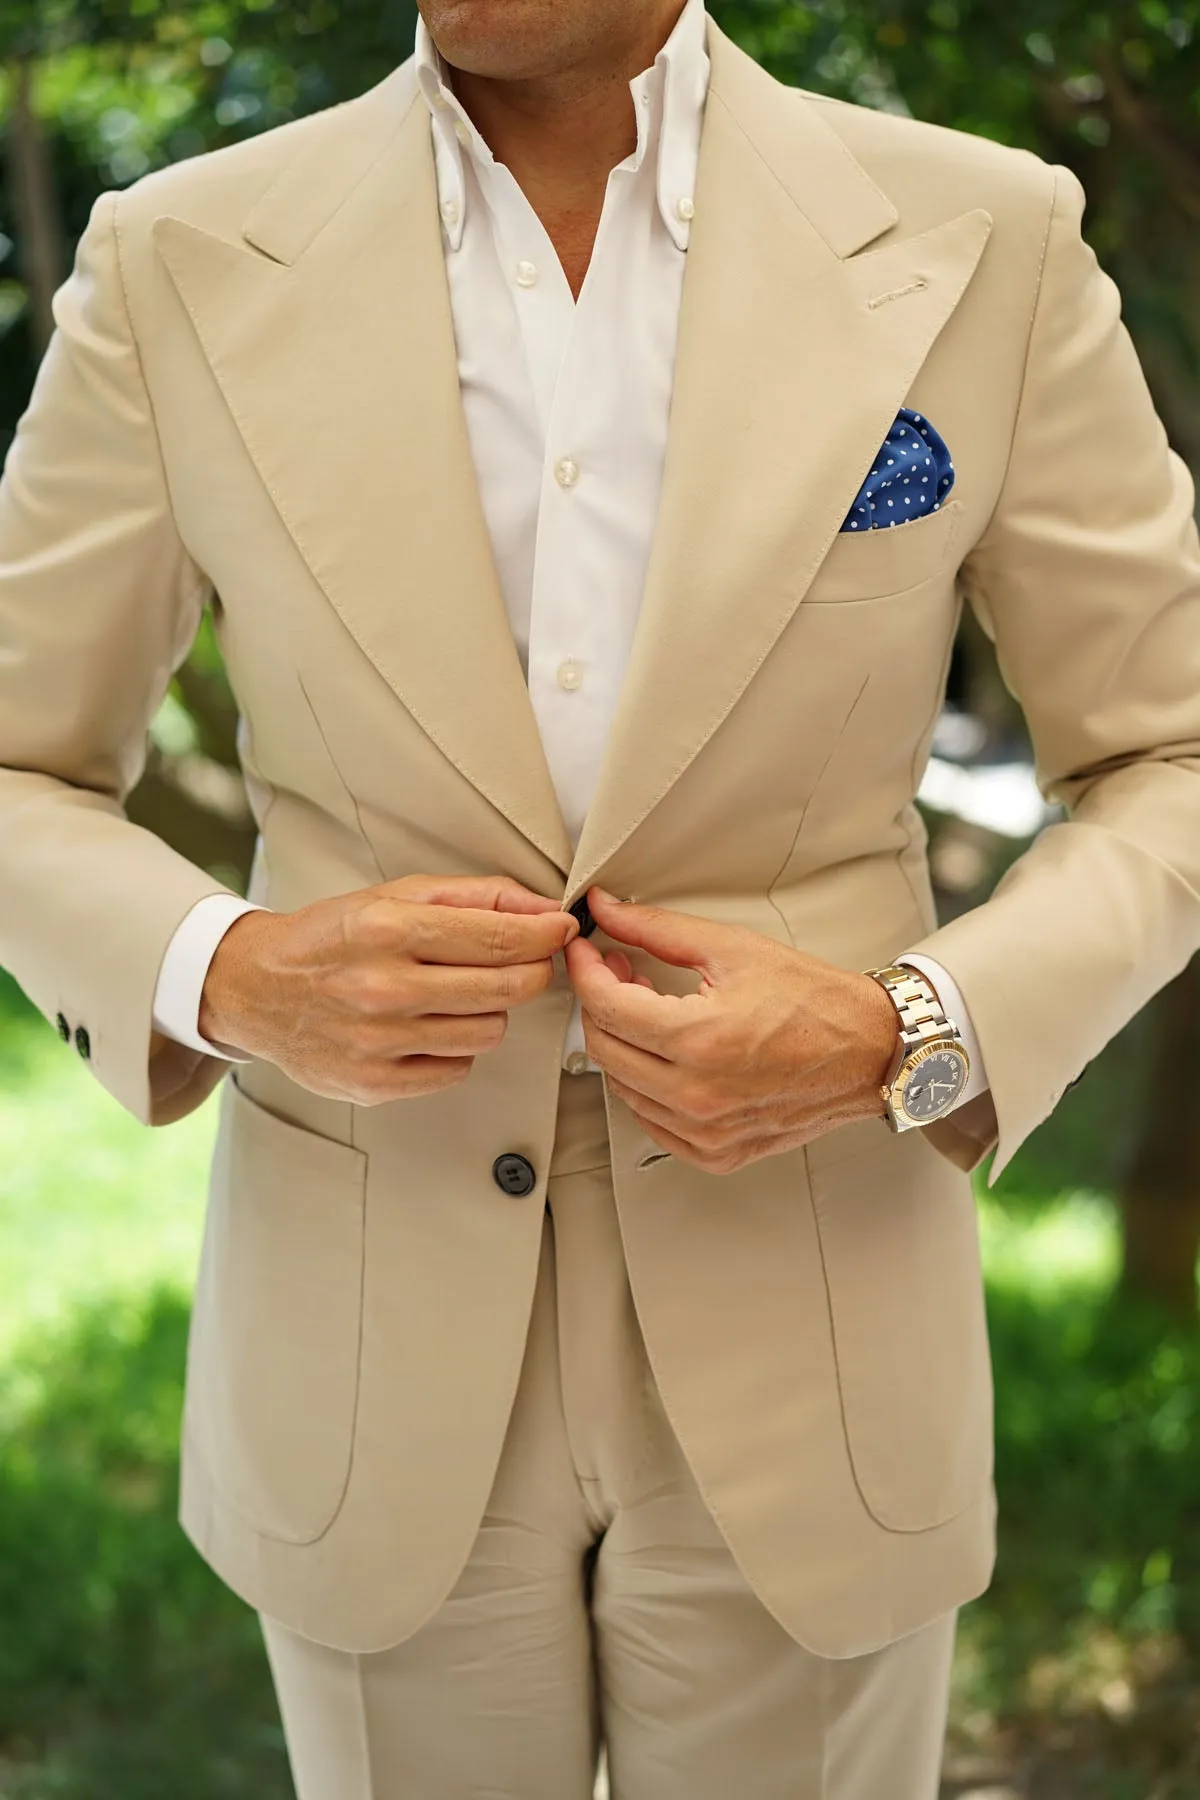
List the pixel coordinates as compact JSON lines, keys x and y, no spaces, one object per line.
{"x":127,"y":1672}
{"x":92,"y":1205}
{"x":1078,"y":1674}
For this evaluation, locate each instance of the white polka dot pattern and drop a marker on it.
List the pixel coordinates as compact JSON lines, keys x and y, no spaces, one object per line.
{"x":911,"y":475}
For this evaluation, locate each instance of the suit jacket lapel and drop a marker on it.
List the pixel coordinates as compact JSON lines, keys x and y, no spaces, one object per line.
{"x":332,"y":341}
{"x":794,"y":356}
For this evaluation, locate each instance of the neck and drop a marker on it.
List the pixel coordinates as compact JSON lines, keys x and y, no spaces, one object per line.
{"x":564,"y":132}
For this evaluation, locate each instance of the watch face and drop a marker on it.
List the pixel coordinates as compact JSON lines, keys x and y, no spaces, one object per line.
{"x":934,"y":1085}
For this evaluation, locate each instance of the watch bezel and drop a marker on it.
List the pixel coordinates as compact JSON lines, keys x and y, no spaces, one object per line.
{"x":938,"y":1047}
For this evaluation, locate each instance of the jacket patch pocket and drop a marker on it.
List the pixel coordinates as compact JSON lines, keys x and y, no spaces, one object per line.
{"x":890,"y":559}
{"x":273,"y":1361}
{"x":900,"y":1245}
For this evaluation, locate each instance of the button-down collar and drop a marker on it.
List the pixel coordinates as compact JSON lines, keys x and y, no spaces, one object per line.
{"x":668,"y":98}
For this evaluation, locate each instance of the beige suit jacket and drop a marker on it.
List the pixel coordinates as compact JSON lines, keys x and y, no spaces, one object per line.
{"x":252,"y":399}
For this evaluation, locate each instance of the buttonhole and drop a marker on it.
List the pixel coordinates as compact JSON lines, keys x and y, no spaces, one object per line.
{"x":895,"y":293}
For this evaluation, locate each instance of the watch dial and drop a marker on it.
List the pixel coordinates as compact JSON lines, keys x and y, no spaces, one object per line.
{"x":934,"y":1085}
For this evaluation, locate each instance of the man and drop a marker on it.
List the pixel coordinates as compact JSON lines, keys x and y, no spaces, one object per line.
{"x":590,"y":1347}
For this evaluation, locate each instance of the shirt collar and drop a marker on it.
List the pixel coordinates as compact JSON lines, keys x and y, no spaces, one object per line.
{"x":668,"y":97}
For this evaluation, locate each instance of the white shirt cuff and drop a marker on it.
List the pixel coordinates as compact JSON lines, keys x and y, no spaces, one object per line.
{"x":955,"y":1009}
{"x":185,"y":966}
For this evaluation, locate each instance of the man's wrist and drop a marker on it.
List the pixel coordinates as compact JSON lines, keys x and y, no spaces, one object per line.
{"x":954,"y":1005}
{"x":222,"y":1013}
{"x":881,"y":1039}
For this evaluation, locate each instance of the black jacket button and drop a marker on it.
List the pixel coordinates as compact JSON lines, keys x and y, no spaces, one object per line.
{"x":514,"y":1174}
{"x":582,"y":912}
{"x":83,"y":1042}
{"x":64,"y":1030}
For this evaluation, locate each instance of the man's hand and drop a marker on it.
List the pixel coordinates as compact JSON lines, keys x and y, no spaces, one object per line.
{"x":386,"y":993}
{"x":776,"y":1048}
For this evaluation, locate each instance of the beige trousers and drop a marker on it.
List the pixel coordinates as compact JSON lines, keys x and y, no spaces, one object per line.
{"x":600,"y":1603}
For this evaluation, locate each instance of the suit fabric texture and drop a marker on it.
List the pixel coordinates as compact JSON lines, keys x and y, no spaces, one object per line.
{"x":235,"y":409}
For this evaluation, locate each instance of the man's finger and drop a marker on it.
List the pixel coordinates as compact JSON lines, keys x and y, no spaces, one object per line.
{"x":628,"y":1010}
{"x":490,"y":893}
{"x":642,"y":1071}
{"x":674,"y":937}
{"x":668,"y":1140}
{"x":620,"y":964}
{"x":445,"y":988}
{"x":470,"y":938}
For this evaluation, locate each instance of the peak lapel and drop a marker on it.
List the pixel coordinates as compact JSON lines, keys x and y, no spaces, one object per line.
{"x":787,"y":379}
{"x":334,"y":348}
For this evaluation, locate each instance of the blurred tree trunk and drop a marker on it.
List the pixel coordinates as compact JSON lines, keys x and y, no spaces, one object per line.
{"x":172,"y":803}
{"x":207,"y":697}
{"x":34,"y":202}
{"x":1161,"y":1199}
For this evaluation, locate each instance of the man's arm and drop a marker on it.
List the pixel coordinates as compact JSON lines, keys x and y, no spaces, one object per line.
{"x":1087,"y":578}
{"x":99,"y":604}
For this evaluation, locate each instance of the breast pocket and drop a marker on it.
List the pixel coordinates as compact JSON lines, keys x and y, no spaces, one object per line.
{"x":900,"y":1245}
{"x":870,"y":565}
{"x":273,"y":1361}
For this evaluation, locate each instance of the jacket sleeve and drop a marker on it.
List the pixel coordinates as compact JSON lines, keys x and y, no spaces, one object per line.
{"x":99,"y":604}
{"x":1087,"y":579}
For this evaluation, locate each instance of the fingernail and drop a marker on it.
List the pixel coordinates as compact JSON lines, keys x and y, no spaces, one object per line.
{"x":605,"y":895}
{"x":573,"y":931}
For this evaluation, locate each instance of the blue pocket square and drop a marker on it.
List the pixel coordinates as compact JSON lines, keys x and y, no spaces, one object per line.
{"x":911,"y":475}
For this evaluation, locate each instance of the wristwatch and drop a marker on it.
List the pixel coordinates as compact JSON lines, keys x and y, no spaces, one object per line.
{"x":931,"y":1066}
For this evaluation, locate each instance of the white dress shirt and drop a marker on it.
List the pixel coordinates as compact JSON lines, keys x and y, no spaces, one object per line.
{"x":566,"y":405}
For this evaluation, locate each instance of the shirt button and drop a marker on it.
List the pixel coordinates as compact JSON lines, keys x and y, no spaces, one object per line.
{"x":686,"y":208}
{"x":83,"y":1042}
{"x":450,"y":211}
{"x":462,"y":132}
{"x":570,"y":675}
{"x":61,"y":1026}
{"x":527,"y":274}
{"x":577,"y":1062}
{"x":566,"y":472}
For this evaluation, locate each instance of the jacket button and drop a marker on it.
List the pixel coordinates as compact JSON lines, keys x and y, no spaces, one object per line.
{"x":582,"y":912}
{"x":514,"y":1174}
{"x":83,"y":1042}
{"x":64,"y":1030}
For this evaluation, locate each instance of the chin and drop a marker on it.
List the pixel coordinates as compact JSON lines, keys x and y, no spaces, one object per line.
{"x":505,"y":39}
